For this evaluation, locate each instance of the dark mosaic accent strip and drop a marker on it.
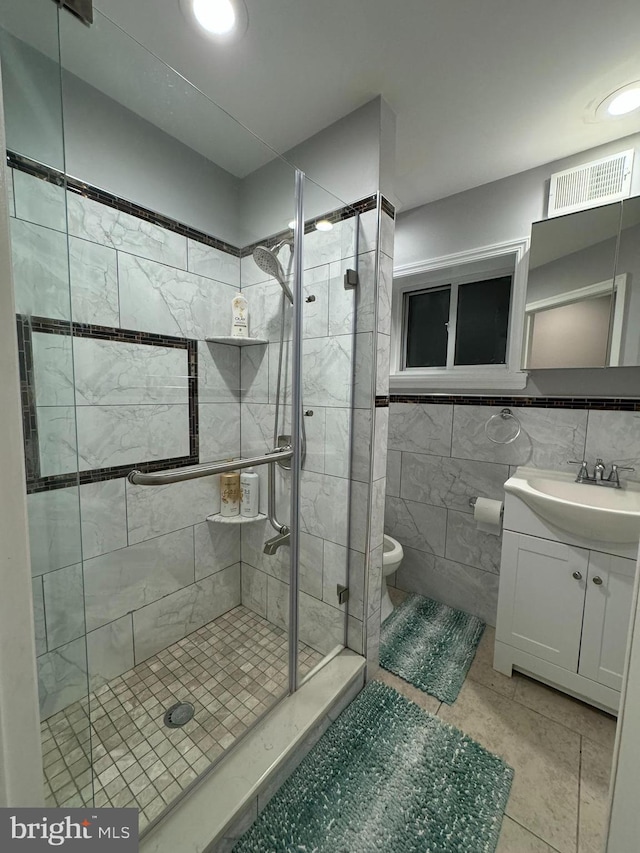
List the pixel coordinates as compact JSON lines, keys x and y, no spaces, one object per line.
{"x":382,"y":402}
{"x":192,"y":392}
{"x":54,"y":176}
{"x":97,"y":475}
{"x":26,"y":327}
{"x":620,"y":404}
{"x":27,"y":398}
{"x":334,"y":216}
{"x":106,"y":333}
{"x":388,"y":208}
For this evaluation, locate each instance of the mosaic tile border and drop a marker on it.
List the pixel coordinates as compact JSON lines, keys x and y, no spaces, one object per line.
{"x":619,"y":404}
{"x":26,"y":327}
{"x":54,"y":176}
{"x":333,"y":216}
{"x":387,"y":207}
{"x":27,"y":399}
{"x":382,"y":402}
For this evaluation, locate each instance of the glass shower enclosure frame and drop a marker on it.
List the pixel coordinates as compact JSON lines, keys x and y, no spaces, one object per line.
{"x":72,"y":216}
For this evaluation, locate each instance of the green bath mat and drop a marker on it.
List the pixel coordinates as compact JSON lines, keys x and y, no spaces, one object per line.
{"x":387,"y":776}
{"x":430,"y":645}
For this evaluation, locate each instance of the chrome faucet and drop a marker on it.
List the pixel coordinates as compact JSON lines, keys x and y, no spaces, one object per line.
{"x":598,"y":476}
{"x":272,"y":545}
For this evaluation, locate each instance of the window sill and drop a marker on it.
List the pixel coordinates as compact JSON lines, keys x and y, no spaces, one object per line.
{"x":499,"y":380}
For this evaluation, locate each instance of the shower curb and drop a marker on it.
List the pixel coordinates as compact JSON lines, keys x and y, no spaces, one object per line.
{"x":224,"y":805}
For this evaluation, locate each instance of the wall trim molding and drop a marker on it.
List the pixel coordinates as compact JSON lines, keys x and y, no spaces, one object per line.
{"x":616,"y":404}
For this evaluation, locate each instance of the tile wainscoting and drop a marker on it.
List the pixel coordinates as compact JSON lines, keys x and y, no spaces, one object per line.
{"x":439,"y":457}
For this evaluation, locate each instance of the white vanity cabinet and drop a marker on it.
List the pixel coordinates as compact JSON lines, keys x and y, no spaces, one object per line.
{"x":563,"y":609}
{"x":607,"y":613}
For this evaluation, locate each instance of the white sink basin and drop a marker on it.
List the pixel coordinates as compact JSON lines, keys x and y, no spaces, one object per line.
{"x":595,"y":512}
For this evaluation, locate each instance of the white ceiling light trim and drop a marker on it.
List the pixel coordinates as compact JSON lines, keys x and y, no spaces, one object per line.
{"x":620,"y":103}
{"x":224,"y":21}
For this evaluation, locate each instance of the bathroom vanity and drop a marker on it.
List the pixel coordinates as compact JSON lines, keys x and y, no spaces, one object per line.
{"x":565,"y":597}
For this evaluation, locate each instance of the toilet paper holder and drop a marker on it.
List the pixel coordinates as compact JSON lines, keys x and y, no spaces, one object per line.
{"x":474,"y":500}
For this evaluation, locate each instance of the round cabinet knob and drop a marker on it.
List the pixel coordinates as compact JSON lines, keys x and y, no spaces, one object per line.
{"x":597,"y":581}
{"x":578,"y":576}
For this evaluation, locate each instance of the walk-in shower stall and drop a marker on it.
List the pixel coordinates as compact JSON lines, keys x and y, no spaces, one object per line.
{"x":165,"y":630}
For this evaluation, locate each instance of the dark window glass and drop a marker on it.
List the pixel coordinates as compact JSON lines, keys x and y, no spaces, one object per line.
{"x":427,"y":328}
{"x":483,"y":320}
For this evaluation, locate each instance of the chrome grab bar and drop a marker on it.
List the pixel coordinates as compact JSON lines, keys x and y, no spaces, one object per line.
{"x":178,"y":475}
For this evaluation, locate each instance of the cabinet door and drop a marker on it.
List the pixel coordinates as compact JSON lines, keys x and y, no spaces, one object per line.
{"x":541,"y":602}
{"x":606,"y":618}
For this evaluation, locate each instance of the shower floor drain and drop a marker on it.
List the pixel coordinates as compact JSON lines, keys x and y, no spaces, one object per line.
{"x":179,"y":714}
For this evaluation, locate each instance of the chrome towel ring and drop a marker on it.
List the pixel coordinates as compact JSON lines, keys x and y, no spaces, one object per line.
{"x":505,"y":415}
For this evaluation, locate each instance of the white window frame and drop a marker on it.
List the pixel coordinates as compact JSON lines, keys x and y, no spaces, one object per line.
{"x":424,"y":274}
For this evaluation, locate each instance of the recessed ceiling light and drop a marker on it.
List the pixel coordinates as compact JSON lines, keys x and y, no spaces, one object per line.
{"x":292,"y":224}
{"x":625,"y":102}
{"x":621,"y":102}
{"x":324,"y":225}
{"x":215,"y":16}
{"x":220,"y":20}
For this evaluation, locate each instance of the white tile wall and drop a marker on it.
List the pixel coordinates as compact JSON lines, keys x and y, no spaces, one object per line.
{"x":97,"y":223}
{"x":126,"y":580}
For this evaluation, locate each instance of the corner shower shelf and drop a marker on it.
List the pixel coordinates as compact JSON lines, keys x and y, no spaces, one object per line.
{"x":235,"y":519}
{"x":237,"y":342}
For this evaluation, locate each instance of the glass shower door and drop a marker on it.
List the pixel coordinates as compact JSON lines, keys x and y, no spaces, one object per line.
{"x":32,"y":97}
{"x":327,"y":594}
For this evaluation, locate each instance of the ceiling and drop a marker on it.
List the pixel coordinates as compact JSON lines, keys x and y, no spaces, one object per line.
{"x":480,"y":90}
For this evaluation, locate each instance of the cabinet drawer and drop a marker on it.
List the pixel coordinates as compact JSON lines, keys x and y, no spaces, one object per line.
{"x":541,"y":599}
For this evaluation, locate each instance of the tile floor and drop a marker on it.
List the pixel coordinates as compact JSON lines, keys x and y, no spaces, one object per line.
{"x":231,"y":670}
{"x":560,"y":749}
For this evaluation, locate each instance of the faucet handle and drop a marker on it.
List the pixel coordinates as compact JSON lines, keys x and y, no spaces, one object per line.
{"x":583,"y":473}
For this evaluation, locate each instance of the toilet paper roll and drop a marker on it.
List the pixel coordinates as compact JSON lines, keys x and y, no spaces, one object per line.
{"x":488,"y":515}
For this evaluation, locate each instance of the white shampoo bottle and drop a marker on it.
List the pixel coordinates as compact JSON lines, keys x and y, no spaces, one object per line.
{"x":240,"y":314}
{"x":250,"y":491}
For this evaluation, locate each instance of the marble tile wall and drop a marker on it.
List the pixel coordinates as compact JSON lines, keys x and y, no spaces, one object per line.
{"x":145,"y":563}
{"x":341,"y":485}
{"x":439,"y":457}
{"x":370,"y":473}
{"x":328,"y":367}
{"x":121,"y":571}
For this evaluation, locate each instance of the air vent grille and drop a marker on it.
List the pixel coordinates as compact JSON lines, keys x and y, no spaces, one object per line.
{"x":600,"y":182}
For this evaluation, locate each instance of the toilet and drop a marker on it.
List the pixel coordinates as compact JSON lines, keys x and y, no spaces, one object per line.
{"x":392,"y":555}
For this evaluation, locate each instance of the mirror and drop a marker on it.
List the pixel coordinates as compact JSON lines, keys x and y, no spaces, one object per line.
{"x":574,"y":312}
{"x":628,"y":276}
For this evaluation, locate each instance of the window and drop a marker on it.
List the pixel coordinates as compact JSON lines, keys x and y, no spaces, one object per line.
{"x":457,"y":321}
{"x":459,"y":324}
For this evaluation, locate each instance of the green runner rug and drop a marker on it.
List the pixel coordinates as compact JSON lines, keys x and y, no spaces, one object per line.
{"x":387,"y":776}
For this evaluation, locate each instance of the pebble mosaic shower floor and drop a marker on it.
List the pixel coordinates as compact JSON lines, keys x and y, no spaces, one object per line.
{"x":231,"y":670}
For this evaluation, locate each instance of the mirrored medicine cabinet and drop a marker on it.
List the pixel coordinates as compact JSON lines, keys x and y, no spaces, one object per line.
{"x":583,"y":289}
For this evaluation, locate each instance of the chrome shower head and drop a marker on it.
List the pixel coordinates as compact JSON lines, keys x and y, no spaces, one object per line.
{"x":267,"y":260}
